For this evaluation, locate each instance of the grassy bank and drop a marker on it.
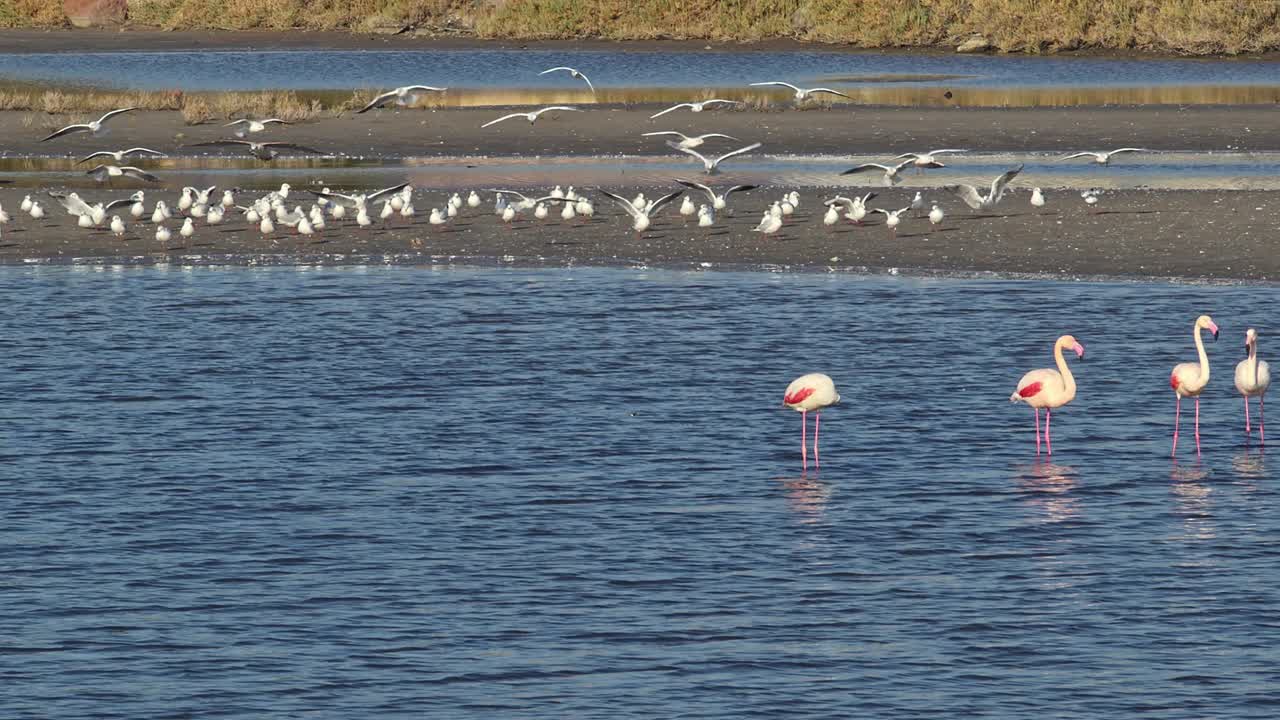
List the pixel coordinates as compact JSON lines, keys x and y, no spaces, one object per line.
{"x":1192,"y":27}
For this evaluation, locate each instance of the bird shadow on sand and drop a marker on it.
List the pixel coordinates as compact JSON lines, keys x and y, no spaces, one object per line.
{"x":1126,"y":212}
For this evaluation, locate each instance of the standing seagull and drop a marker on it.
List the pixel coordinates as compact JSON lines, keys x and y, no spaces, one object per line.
{"x":892,"y":218}
{"x":572,"y":73}
{"x":530,"y":116}
{"x":93,"y":126}
{"x":687,"y":142}
{"x":802,"y":94}
{"x":694,"y":106}
{"x":406,"y":95}
{"x":641,"y":216}
{"x":1102,"y":158}
{"x":711,"y":165}
{"x":1189,"y":379}
{"x":969,"y":194}
{"x":254,"y":126}
{"x":120,"y":155}
{"x":1253,"y":377}
{"x":814,"y":391}
{"x":1049,"y":389}
{"x":718,"y":202}
{"x":890,"y":171}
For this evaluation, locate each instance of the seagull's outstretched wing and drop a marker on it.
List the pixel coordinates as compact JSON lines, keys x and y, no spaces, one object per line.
{"x":218,"y":143}
{"x":665,"y":132}
{"x":347,"y":200}
{"x":624,"y":203}
{"x":839,"y":200}
{"x":739,"y":188}
{"x":946,"y":150}
{"x":386,"y":191}
{"x":1086,"y":153}
{"x":538,"y":113}
{"x":690,"y":151}
{"x":98,"y":173}
{"x":100,"y":153}
{"x":673,"y":108}
{"x":999,"y":184}
{"x":656,"y":205}
{"x":139,"y":174}
{"x":294,"y":146}
{"x":377,"y":101}
{"x":867,"y":167}
{"x":66,"y":131}
{"x":828,"y":90}
{"x":503,"y":118}
{"x":868,"y":197}
{"x":721,"y":100}
{"x":426,"y":88}
{"x":739,"y":151}
{"x":904,"y":163}
{"x":699,"y":186}
{"x":119,"y":203}
{"x":776,"y":82}
{"x":1125,"y":150}
{"x":967,"y":193}
{"x":113,"y":113}
{"x":73,"y":205}
{"x":507,"y":192}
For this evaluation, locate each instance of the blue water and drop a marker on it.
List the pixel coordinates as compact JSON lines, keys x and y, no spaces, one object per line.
{"x":365,"y":492}
{"x":519,"y":68}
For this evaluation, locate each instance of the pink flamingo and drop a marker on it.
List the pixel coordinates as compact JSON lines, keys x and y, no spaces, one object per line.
{"x":814,"y":391}
{"x":1049,"y":389}
{"x":1188,"y":379}
{"x":1253,"y":377}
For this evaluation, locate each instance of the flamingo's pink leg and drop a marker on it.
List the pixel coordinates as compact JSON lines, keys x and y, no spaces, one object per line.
{"x":1037,"y":431}
{"x":1246,"y":414}
{"x":1197,"y":426}
{"x":1177,"y":413}
{"x":804,"y":440}
{"x":1048,"y":415}
{"x":817,"y":418}
{"x":1262,"y":430}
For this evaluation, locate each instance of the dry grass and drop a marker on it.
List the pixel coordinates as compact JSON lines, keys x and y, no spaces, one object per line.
{"x":195,"y":107}
{"x":1193,"y":27}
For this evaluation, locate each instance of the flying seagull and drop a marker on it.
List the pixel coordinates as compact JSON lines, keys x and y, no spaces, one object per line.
{"x":530,"y":116}
{"x":119,"y":155}
{"x":1102,"y":158}
{"x":267,"y":151}
{"x":969,"y":194}
{"x":712,"y":165}
{"x":694,"y":106}
{"x":106,"y":172}
{"x":572,"y":73}
{"x":890,"y":171}
{"x":254,"y":126}
{"x":686,"y":141}
{"x":358,"y":201}
{"x":93,"y":126}
{"x":801,"y":93}
{"x":927,"y":160}
{"x":406,"y":95}
{"x":717,"y":201}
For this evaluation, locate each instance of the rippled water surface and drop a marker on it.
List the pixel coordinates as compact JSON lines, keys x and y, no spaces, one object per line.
{"x":403,"y":492}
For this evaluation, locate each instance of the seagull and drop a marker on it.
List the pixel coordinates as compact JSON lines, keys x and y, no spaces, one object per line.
{"x":688,"y":142}
{"x":117,"y":226}
{"x":406,"y":95}
{"x":718,"y":202}
{"x":254,"y":126}
{"x":801,"y":93}
{"x":102,"y":173}
{"x":917,"y":203}
{"x":574,"y":74}
{"x":93,"y":126}
{"x":831,"y":217}
{"x":924,"y":161}
{"x":358,"y":201}
{"x":530,"y":116}
{"x":694,"y":106}
{"x":936,"y":215}
{"x":890,"y":171}
{"x":641,"y":216}
{"x":1037,"y":198}
{"x":857,"y":206}
{"x":969,"y":194}
{"x":1102,"y":158}
{"x":892,"y":217}
{"x":711,"y":165}
{"x":120,"y":155}
{"x":1090,"y":196}
{"x":706,"y":216}
{"x":769,"y":224}
{"x":265,"y":151}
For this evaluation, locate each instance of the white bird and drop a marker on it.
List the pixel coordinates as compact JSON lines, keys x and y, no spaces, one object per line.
{"x":102,"y":173}
{"x":638,"y":202}
{"x":407,"y":210}
{"x":857,"y":205}
{"x":351,"y":201}
{"x":304,"y":227}
{"x":567,"y":212}
{"x":831,"y":217}
{"x":337,"y":211}
{"x":508,"y":213}
{"x":1102,"y":158}
{"x":769,"y":224}
{"x":530,"y":116}
{"x":407,"y":95}
{"x":575,"y":74}
{"x":228,"y":199}
{"x":159,"y":215}
{"x":584,"y":208}
{"x":188,"y":228}
{"x":251,"y":214}
{"x":695,"y":106}
{"x":437,"y":218}
{"x":198,"y":210}
{"x":794,"y":198}
{"x":93,"y":126}
{"x":37,"y":212}
{"x":451,"y":210}
{"x":936,"y":215}
{"x":706,"y":216}
{"x":891,"y":177}
{"x":455,"y":201}
{"x":265,"y":226}
{"x":254,"y":126}
{"x":688,"y":142}
{"x":1037,"y":198}
{"x":4,"y":216}
{"x":641,"y":217}
{"x":215,"y":215}
{"x":1253,"y":377}
{"x":137,"y":209}
{"x":785,"y":206}
{"x":711,"y":165}
{"x":801,"y":93}
{"x":117,"y":226}
{"x":362,"y":218}
{"x":971,"y":197}
{"x":1090,"y":196}
{"x":386,"y":212}
{"x":26,"y":204}
{"x":687,"y":207}
{"x":120,"y":155}
{"x":892,"y":217}
{"x":163,"y":234}
{"x":473,"y":200}
{"x":925,"y":161}
{"x":540,"y":211}
{"x":84,"y":221}
{"x":917,"y":203}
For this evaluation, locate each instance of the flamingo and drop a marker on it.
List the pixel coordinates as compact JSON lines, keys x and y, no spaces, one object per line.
{"x":1188,"y":379}
{"x":1253,"y":377}
{"x":1049,"y":389}
{"x":814,"y":391}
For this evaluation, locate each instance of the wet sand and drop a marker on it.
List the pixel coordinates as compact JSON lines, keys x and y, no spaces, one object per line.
{"x":617,"y":130}
{"x":1134,"y":234}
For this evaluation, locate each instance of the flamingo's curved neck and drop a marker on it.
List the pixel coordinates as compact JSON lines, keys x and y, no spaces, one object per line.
{"x":1253,"y":361}
{"x":1204,"y":357}
{"x":1068,"y":380}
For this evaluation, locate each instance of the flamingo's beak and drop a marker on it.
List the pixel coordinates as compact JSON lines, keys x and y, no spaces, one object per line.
{"x":1079,"y":350}
{"x":1214,"y":328}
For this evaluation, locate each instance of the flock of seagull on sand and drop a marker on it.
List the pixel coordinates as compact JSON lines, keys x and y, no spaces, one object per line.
{"x":271,"y":209}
